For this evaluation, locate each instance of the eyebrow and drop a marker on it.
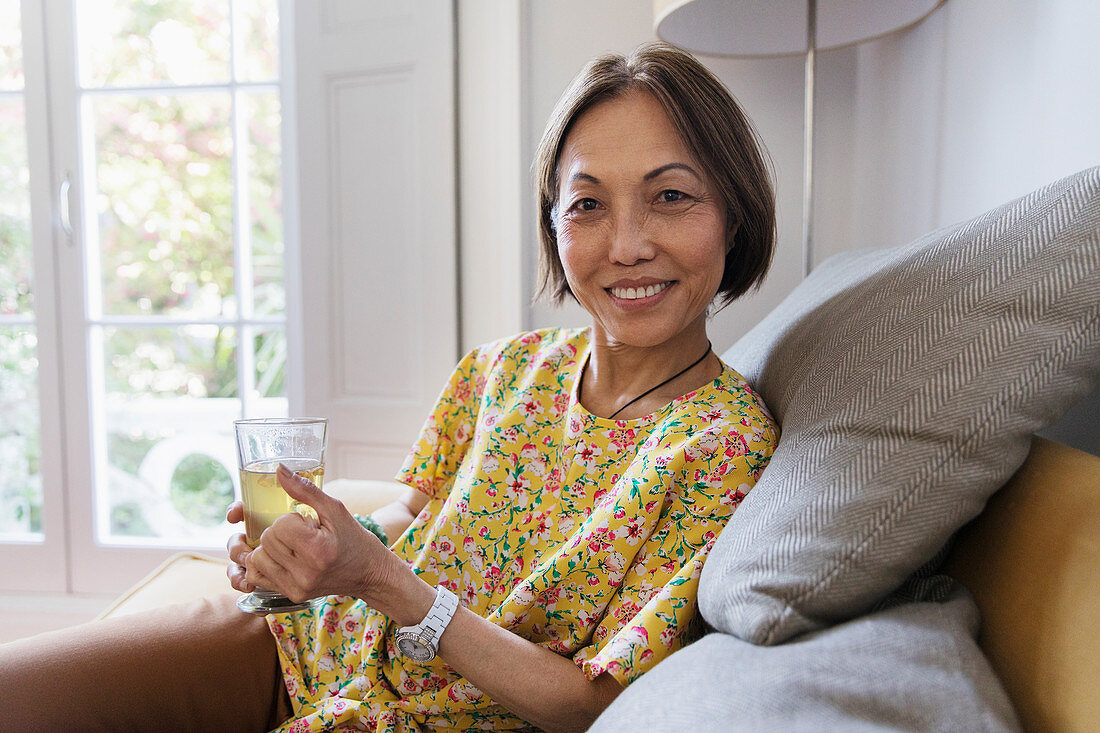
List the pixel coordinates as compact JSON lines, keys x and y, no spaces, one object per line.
{"x":583,"y":177}
{"x":671,"y":166}
{"x":579,"y":176}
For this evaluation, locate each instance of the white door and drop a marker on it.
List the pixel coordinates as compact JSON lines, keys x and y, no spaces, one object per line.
{"x":375,"y":131}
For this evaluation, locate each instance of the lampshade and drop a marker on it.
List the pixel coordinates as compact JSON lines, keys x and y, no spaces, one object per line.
{"x":778,"y":27}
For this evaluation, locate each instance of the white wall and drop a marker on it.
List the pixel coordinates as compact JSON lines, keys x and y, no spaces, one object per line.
{"x":984,"y":101}
{"x":492,"y":173}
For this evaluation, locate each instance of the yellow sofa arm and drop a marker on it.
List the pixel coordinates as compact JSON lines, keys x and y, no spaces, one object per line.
{"x":1031,"y":562}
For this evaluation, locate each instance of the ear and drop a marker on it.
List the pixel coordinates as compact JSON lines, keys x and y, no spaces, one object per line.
{"x":733,"y":225}
{"x":731,"y":235}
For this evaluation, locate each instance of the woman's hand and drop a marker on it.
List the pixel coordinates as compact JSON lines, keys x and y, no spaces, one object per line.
{"x":303,"y":558}
{"x":238,"y":550}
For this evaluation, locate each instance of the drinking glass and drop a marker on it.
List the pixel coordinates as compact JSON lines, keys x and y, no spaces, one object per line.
{"x":262,"y":444}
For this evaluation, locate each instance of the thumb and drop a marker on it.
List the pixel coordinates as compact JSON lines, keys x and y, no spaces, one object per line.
{"x":304,"y":491}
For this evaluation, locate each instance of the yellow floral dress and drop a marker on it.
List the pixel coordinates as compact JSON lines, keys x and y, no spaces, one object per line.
{"x":582,"y":534}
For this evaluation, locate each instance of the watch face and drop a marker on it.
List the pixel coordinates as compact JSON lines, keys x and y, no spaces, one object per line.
{"x":412,"y":648}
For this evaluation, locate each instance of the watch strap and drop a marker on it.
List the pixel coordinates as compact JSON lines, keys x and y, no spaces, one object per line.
{"x":438,"y":618}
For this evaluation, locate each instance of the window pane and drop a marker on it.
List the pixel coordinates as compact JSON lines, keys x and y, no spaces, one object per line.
{"x":191,"y":361}
{"x":162,"y":243}
{"x":20,"y":477}
{"x":168,"y":411}
{"x":270,"y":360}
{"x":15,"y":224}
{"x":171,"y":472}
{"x":257,"y":27}
{"x":126,"y":43}
{"x":164,"y":176}
{"x":11,"y":46}
{"x":264,"y":154}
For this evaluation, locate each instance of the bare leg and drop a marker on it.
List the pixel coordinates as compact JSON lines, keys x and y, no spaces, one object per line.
{"x":202,"y":666}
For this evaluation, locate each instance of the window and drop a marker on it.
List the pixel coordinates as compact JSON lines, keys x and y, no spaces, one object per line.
{"x":20,"y":441}
{"x":165,"y":156}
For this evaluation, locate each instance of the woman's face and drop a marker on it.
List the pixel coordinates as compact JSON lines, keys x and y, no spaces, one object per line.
{"x":641,"y":233}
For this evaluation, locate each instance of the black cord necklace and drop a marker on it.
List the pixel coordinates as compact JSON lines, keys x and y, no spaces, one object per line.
{"x":680,"y":373}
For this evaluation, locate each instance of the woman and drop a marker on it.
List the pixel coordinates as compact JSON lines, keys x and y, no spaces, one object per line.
{"x":568,"y":485}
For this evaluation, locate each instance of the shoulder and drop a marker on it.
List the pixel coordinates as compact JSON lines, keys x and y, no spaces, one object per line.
{"x":530,"y":349}
{"x":729,"y":397}
{"x":735,"y":392}
{"x":722,"y":409}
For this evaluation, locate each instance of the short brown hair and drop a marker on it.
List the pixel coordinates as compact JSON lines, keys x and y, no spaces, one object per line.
{"x":713,"y":127}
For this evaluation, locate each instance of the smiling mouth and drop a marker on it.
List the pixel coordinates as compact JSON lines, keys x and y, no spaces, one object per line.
{"x":638,"y":293}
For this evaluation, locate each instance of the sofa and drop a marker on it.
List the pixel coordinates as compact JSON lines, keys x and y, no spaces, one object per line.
{"x":1050,"y":508}
{"x":913,"y":557}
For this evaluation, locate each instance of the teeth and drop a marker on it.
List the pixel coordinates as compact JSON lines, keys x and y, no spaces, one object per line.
{"x":636,"y":293}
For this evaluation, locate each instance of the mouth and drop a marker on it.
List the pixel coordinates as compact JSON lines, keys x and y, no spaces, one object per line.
{"x":639,"y":293}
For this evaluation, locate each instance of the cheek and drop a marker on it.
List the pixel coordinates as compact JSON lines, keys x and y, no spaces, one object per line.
{"x":565,"y":256}
{"x":572,"y":252}
{"x":710,"y":259}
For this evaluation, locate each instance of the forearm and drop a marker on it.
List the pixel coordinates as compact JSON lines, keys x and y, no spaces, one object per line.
{"x":541,"y":687}
{"x":395,"y":518}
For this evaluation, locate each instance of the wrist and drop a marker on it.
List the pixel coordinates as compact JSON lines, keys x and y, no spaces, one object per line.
{"x":420,"y":641}
{"x":399,"y":593}
{"x":415,"y":602}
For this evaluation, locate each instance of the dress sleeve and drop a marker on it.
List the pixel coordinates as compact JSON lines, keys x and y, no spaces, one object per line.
{"x":434,"y":458}
{"x":691,"y":481}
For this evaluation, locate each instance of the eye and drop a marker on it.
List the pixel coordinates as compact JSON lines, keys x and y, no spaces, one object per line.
{"x":672,"y":196}
{"x":582,"y":205}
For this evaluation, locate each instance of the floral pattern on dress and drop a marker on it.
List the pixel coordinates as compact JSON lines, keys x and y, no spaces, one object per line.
{"x":582,"y":534}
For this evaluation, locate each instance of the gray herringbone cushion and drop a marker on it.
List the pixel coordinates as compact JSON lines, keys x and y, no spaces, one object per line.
{"x":908,"y":668}
{"x":908,"y":382}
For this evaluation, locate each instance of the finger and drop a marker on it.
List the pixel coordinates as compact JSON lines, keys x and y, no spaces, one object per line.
{"x":255,"y":579}
{"x":236,"y":575}
{"x":234,"y":512}
{"x":263,"y":571}
{"x":305,"y":491}
{"x":237,"y":570}
{"x":238,"y":548}
{"x":299,"y":569}
{"x":293,"y":529}
{"x":274,"y":541}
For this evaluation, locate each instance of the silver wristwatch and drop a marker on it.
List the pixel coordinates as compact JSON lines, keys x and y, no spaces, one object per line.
{"x":420,"y":642}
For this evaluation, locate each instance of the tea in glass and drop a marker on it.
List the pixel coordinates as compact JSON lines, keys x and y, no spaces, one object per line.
{"x":263,"y":444}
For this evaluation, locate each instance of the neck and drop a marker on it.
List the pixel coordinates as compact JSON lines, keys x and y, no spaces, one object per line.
{"x":617,"y":373}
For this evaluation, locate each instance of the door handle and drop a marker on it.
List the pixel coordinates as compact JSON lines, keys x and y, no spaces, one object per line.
{"x":63,"y":206}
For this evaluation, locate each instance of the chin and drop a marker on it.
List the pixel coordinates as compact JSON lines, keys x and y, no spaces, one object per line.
{"x":649,"y":332}
{"x":642,"y":336}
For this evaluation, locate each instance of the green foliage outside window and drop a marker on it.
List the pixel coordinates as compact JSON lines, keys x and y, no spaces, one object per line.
{"x":201,"y":489}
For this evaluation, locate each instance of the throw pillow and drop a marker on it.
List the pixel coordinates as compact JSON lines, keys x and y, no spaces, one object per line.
{"x":908,"y":382}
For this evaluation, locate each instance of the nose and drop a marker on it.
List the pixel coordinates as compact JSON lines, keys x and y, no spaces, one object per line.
{"x":631,"y":242}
